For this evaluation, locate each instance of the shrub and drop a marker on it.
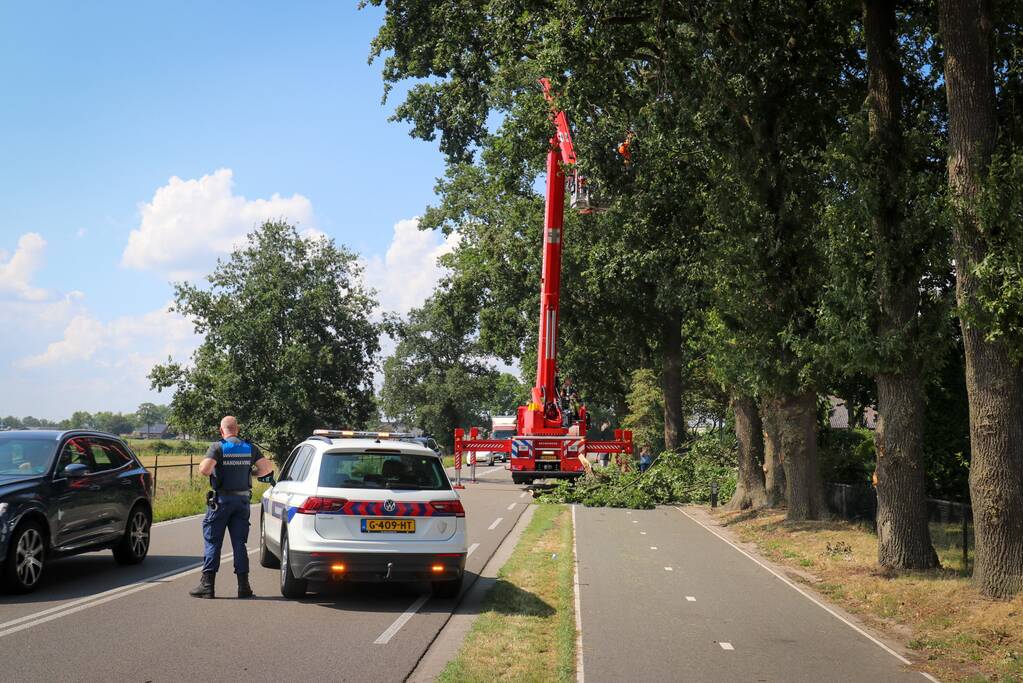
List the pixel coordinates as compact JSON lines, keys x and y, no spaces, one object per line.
{"x":846,"y":455}
{"x":675,"y":477}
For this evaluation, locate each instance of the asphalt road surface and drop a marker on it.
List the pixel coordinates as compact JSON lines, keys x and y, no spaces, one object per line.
{"x":93,"y":620}
{"x":664,"y":599}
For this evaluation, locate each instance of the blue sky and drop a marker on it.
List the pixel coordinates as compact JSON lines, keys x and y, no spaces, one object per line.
{"x":253,"y":107}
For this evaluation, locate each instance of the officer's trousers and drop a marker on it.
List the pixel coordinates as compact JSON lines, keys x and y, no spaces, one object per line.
{"x":232,"y":515}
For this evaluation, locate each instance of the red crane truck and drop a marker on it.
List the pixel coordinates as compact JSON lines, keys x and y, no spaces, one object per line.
{"x":550,"y":440}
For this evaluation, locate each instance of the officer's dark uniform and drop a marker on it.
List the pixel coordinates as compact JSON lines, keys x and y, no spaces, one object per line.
{"x":232,"y":488}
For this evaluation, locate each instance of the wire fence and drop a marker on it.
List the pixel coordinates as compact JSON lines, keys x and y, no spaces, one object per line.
{"x":951,"y":522}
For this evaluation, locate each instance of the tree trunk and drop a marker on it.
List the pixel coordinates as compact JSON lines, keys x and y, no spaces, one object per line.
{"x":749,"y":489}
{"x":671,"y":381}
{"x":903,"y":536}
{"x":798,"y":431}
{"x":774,"y":462}
{"x":993,"y":382}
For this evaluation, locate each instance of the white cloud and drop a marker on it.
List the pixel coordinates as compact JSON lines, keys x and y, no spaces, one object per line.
{"x":406,"y":275}
{"x":16,"y":272}
{"x":189,"y":223}
{"x":127,"y":342}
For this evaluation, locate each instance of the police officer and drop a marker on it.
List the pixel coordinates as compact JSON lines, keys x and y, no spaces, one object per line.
{"x":228,"y":464}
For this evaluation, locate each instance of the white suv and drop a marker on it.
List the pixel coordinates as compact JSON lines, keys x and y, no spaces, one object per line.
{"x":362,"y":506}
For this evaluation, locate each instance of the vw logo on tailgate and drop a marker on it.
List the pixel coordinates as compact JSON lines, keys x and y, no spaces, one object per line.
{"x":390,"y":506}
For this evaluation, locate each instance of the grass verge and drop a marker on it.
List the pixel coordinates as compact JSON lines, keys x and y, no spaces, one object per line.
{"x":181,"y":499}
{"x":526,"y":631}
{"x":959,"y":635}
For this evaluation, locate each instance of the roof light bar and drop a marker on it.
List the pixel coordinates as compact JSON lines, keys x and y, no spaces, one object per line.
{"x":352,"y":434}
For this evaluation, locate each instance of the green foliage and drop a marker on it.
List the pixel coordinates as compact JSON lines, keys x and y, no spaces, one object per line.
{"x":288,"y":342}
{"x":646,"y":410}
{"x":438,"y":379}
{"x":682,"y":477}
{"x":846,"y":455}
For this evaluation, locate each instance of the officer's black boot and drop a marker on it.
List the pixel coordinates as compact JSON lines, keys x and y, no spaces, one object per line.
{"x":244,"y":589}
{"x":205,"y":587}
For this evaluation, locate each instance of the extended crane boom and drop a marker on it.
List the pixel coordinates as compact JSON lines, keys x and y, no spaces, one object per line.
{"x":551,"y":439}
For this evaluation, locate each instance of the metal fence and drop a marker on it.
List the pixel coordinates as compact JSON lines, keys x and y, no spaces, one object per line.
{"x":951,"y":522}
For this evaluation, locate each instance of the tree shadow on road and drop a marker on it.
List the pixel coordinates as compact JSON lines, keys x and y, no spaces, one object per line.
{"x":507,"y":598}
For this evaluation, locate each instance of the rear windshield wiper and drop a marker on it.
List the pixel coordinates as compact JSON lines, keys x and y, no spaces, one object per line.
{"x":400,"y":487}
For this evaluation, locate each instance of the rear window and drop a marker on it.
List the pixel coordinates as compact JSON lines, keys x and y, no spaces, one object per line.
{"x":382,"y":471}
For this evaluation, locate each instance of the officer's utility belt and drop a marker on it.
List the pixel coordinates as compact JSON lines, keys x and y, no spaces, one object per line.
{"x":243,"y":494}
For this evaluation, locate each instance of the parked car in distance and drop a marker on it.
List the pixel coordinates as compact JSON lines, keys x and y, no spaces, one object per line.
{"x":501,"y":427}
{"x":68,"y":492}
{"x":429,"y":442}
{"x":359,"y":506}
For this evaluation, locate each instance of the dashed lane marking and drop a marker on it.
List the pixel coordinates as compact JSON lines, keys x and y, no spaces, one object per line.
{"x":472,"y":548}
{"x":523,"y":494}
{"x":512,"y":506}
{"x":806,"y":595}
{"x":726,"y":646}
{"x":494,"y":525}
{"x":643,"y":533}
{"x":669,"y":569}
{"x":386,"y":636}
{"x":690,"y":598}
{"x":653,"y":547}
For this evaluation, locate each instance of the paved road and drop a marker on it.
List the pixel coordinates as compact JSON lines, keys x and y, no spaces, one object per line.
{"x":95,"y":621}
{"x":664,"y":599}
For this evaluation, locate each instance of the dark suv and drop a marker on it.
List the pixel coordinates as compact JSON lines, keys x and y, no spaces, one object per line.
{"x":64,"y":493}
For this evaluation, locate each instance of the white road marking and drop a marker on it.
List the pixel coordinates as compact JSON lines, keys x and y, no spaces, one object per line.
{"x":643,"y":533}
{"x":690,"y":598}
{"x":494,"y":525}
{"x":635,"y":521}
{"x":472,"y":548}
{"x":806,"y":595}
{"x":578,"y":608}
{"x":669,"y":569}
{"x":628,"y":512}
{"x":386,"y":636}
{"x":653,"y":547}
{"x":36,"y":619}
{"x":523,"y":494}
{"x":726,"y":646}
{"x":512,"y":506}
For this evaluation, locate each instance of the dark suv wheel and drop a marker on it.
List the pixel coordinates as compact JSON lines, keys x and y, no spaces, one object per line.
{"x":134,"y":546}
{"x":26,"y":558}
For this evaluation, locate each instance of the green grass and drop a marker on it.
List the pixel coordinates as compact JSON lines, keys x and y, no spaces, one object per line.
{"x":182,"y":499}
{"x":526,"y":630}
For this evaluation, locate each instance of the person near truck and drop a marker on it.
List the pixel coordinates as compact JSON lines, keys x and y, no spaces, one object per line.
{"x":646,"y":458}
{"x":229,"y":464}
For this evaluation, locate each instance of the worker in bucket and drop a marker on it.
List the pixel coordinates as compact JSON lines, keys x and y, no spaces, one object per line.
{"x":229,"y":464}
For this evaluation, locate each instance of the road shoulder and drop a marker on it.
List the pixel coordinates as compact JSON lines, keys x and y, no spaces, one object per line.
{"x":449,"y":640}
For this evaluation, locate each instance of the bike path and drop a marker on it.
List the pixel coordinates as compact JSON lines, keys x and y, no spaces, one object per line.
{"x":665,"y":599}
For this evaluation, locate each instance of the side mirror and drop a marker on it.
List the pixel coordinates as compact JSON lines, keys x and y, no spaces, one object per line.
{"x":75,"y":470}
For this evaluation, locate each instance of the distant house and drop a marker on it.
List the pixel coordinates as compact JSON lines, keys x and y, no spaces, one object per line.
{"x":838,"y":415}
{"x":157,"y":430}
